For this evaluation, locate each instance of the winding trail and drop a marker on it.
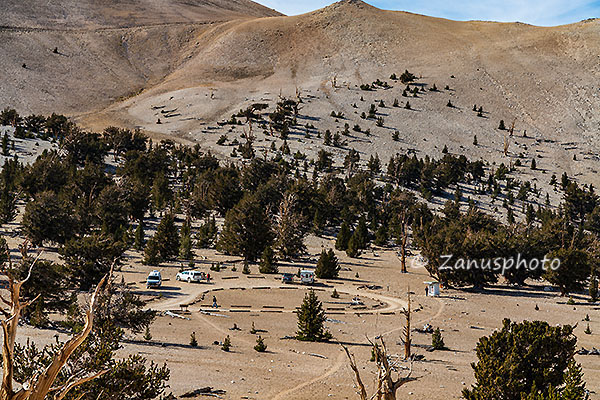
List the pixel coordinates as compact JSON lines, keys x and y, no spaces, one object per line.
{"x":332,"y":370}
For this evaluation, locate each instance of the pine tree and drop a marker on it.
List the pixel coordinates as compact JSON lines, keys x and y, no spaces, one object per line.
{"x":593,"y":290}
{"x":361,"y":234}
{"x":267,"y":262}
{"x":185,"y":244}
{"x":475,"y":143}
{"x":5,"y":149}
{"x":445,"y":150}
{"x":139,"y":236}
{"x":507,"y":367}
{"x":152,"y":253}
{"x":193,"y":340}
{"x":374,"y":164}
{"x":573,"y":272}
{"x":381,"y":236}
{"x":167,"y":238}
{"x":247,"y":230}
{"x":437,"y":342}
{"x":564,"y":180}
{"x":341,"y":242}
{"x":246,"y":268}
{"x":327,"y":266}
{"x":289,"y":229}
{"x":352,"y":250}
{"x":147,"y":334}
{"x":327,"y":138}
{"x":39,"y":318}
{"x":574,"y":388}
{"x":8,"y":205}
{"x":510,"y":216}
{"x":587,"y":330}
{"x":207,"y":233}
{"x":533,"y":164}
{"x":226,"y":346}
{"x":318,"y":223}
{"x":261,"y":347}
{"x":161,"y":192}
{"x":311,"y":319}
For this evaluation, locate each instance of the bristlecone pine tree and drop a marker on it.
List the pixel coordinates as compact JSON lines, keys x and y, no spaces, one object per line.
{"x":139,"y":237}
{"x":574,"y":388}
{"x":327,"y":266}
{"x":261,"y":347}
{"x":185,"y":244}
{"x":164,"y":245}
{"x":311,"y":320}
{"x":352,"y":250}
{"x":289,"y":234}
{"x":437,"y":342}
{"x":267,"y":262}
{"x":247,"y":230}
{"x":507,"y":368}
{"x":226,"y":346}
{"x":573,"y":271}
{"x":593,"y":290}
{"x":341,"y":242}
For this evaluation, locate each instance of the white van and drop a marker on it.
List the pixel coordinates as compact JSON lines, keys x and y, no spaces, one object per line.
{"x":154,"y":280}
{"x":307,"y":277}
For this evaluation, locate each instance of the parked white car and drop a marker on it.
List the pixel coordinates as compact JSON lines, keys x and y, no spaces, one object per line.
{"x":191,"y":276}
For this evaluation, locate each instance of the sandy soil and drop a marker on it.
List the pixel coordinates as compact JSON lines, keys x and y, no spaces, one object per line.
{"x":290,"y":369}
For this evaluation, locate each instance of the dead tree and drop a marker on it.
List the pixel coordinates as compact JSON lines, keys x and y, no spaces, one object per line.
{"x":512,"y":128}
{"x":387,"y":366}
{"x":406,"y":340}
{"x":41,"y":384}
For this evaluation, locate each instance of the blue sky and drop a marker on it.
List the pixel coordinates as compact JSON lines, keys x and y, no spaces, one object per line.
{"x":536,"y":12}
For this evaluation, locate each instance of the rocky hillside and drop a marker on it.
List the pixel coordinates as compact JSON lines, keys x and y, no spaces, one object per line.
{"x":80,"y":56}
{"x":545,"y":80}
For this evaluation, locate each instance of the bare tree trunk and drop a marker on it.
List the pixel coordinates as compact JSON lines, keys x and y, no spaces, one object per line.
{"x":386,"y":385}
{"x":406,"y":339}
{"x":41,"y":383}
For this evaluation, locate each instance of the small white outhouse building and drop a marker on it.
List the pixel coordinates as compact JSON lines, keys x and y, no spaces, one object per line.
{"x":433,"y":288}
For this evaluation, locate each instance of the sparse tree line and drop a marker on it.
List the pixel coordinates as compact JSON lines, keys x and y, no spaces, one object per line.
{"x":268,"y":207}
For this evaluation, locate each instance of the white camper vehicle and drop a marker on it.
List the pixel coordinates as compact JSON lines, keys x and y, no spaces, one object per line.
{"x":307,"y":277}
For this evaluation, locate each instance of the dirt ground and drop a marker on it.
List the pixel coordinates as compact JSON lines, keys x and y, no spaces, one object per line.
{"x":297,"y":370}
